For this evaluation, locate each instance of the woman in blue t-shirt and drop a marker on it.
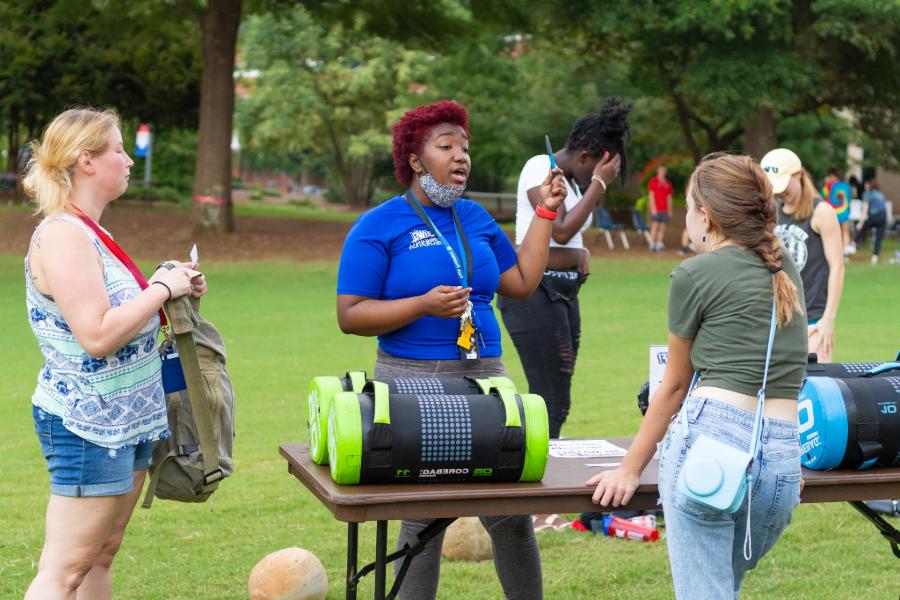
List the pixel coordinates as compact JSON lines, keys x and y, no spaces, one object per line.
{"x":419,"y":272}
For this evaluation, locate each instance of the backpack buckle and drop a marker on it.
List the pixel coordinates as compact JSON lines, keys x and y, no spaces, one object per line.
{"x":213,"y":477}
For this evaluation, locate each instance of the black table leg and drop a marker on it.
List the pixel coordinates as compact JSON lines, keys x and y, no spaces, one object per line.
{"x":383,"y":559}
{"x":352,"y":554}
{"x":889,"y":532}
{"x":380,"y":559}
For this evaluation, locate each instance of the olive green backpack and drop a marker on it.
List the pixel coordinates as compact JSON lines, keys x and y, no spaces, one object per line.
{"x":190,"y":463}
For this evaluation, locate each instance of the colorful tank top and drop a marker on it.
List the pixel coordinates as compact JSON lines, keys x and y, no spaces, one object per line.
{"x":115,"y":400}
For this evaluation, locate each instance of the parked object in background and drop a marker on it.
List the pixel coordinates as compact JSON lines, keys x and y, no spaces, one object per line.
{"x":604,"y":222}
{"x":640,"y":225}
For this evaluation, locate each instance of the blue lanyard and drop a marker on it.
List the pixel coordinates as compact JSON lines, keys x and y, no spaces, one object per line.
{"x":462,"y":266}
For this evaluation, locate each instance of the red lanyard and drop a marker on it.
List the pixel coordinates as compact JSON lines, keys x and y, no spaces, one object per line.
{"x":117,"y":251}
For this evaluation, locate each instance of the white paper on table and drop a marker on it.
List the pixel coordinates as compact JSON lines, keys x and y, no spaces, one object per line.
{"x":659,"y":355}
{"x":584,"y":449}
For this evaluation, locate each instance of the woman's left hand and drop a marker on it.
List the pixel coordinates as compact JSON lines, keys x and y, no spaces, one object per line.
{"x":553,"y":190}
{"x":198,"y":282}
{"x":825,"y":329}
{"x":616,"y":487}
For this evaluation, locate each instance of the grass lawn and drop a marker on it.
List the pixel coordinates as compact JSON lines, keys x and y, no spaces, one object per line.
{"x":278,"y":320}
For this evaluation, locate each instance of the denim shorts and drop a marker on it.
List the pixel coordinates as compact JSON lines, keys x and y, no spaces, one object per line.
{"x":81,"y":468}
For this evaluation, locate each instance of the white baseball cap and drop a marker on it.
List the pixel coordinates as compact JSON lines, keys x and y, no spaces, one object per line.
{"x":779,"y":164}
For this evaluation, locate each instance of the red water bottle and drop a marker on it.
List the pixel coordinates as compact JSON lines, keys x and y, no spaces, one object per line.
{"x":629,"y":530}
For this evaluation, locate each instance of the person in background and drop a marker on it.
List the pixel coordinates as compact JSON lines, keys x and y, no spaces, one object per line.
{"x":99,"y":405}
{"x":659,"y":195}
{"x":546,"y":326}
{"x":720,"y":313}
{"x":874,"y":216}
{"x":809,"y":230}
{"x":428,"y":299}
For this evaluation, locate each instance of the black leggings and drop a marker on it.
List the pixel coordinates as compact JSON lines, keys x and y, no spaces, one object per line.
{"x":879,"y":224}
{"x":546,"y":329}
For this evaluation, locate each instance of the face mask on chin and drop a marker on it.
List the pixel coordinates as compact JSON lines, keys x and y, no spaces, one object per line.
{"x":440,"y":194}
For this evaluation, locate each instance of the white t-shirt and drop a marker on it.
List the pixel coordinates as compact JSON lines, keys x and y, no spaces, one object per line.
{"x":533,"y":174}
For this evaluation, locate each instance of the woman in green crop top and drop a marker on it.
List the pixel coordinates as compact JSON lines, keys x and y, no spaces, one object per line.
{"x":720,"y":309}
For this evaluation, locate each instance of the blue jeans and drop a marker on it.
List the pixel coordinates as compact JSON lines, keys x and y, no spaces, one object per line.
{"x":705,"y":545}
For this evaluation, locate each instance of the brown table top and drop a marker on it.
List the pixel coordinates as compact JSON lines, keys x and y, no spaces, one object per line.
{"x":561,"y":490}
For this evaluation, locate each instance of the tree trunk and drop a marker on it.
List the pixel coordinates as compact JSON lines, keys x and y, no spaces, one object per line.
{"x":760,"y":134}
{"x":213,"y":209}
{"x":684,"y":120}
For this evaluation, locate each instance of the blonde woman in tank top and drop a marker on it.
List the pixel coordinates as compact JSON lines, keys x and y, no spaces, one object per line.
{"x":98,"y":405}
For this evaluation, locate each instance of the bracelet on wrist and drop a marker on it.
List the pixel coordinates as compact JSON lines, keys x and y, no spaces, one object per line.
{"x":545,"y":213}
{"x":599,"y":179}
{"x":168,"y":289}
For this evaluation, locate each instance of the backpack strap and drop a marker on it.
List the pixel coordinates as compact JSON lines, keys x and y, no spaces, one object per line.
{"x":180,"y":313}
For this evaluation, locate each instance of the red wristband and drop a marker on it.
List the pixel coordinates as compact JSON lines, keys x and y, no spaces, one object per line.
{"x":544,"y":213}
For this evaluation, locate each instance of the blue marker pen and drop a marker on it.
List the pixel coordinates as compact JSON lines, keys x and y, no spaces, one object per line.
{"x":550,"y":152}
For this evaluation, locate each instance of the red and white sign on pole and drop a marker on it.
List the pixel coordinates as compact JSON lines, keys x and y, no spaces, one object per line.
{"x":143,"y":147}
{"x":142,"y":140}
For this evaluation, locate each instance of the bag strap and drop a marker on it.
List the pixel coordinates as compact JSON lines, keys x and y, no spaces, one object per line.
{"x":761,"y":394}
{"x":200,"y":407}
{"x":180,"y":310}
{"x":463,"y":240}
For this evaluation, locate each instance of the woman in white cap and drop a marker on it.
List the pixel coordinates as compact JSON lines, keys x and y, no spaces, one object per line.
{"x":809,"y":230}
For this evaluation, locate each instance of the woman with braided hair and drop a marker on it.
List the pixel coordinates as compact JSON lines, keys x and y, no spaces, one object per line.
{"x":546,"y":326}
{"x":720,"y":310}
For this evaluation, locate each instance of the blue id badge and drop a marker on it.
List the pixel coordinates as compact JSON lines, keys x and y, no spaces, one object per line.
{"x":172,"y":375}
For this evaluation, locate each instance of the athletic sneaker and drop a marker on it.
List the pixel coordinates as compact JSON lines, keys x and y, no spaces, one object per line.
{"x":874,"y":260}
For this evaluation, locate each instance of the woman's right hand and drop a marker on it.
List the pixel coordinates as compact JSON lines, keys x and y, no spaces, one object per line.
{"x":607,"y":168}
{"x":445,"y":301}
{"x":177,"y":280}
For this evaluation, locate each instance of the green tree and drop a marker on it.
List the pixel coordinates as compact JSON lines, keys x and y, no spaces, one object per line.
{"x":111,"y":53}
{"x":734,"y":69}
{"x":328,"y":90}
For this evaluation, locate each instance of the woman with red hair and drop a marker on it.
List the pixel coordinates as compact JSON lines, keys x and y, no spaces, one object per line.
{"x":420,"y":271}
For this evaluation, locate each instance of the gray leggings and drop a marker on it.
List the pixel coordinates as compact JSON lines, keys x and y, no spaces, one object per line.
{"x":516,"y":555}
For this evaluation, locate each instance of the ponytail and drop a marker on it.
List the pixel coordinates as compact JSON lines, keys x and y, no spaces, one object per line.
{"x":46,"y":183}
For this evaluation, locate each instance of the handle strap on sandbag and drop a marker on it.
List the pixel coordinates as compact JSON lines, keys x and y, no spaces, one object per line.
{"x":884,"y":368}
{"x":483,"y":384}
{"x":357,"y":380}
{"x":382,"y":402}
{"x":508,"y":397}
